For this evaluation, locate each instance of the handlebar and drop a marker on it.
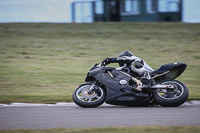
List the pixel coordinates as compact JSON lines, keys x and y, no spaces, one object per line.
{"x":104,"y":65}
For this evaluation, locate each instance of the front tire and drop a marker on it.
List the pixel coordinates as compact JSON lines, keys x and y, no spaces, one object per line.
{"x":171,"y":98}
{"x":84,"y":99}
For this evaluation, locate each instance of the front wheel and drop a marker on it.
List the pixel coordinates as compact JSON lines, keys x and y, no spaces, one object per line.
{"x":83,"y":98}
{"x":171,"y":97}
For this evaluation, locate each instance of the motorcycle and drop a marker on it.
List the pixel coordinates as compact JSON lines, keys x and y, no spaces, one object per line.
{"x":121,"y":86}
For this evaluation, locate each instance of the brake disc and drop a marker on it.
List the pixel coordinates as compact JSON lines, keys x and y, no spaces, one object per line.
{"x":85,"y":93}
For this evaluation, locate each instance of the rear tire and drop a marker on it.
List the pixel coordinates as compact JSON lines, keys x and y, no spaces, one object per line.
{"x":89,"y":100}
{"x":167,"y":98}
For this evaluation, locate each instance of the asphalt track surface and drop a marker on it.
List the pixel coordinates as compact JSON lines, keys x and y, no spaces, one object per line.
{"x":69,"y":115}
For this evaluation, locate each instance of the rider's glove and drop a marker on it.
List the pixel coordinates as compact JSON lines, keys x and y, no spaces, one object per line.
{"x":106,"y":61}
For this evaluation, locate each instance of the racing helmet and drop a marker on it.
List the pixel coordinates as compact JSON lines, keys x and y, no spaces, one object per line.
{"x":126,"y":53}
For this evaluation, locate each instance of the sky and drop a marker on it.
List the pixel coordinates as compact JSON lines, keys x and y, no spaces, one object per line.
{"x":59,"y":11}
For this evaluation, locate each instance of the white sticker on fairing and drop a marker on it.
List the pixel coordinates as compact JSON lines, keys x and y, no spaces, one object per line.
{"x":123,"y":82}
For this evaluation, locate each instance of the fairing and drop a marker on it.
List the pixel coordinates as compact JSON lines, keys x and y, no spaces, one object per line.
{"x":117,"y":94}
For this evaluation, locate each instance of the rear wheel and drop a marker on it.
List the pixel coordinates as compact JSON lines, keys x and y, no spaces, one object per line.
{"x":171,"y":97}
{"x":83,"y":98}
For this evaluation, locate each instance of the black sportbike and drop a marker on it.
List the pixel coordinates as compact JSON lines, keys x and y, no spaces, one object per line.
{"x":121,"y":86}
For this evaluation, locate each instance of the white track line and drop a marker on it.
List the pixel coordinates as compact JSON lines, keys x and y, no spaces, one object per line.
{"x":42,"y":105}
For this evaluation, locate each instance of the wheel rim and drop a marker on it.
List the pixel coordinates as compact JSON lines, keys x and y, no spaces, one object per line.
{"x":174,"y":93}
{"x":83,"y":95}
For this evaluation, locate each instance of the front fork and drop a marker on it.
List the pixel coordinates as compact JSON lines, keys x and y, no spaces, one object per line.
{"x":92,"y":87}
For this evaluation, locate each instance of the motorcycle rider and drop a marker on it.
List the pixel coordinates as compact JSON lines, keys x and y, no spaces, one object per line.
{"x":136,"y":64}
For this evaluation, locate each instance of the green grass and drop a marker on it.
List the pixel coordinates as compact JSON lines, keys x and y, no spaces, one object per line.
{"x":44,"y":63}
{"x":153,"y":129}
